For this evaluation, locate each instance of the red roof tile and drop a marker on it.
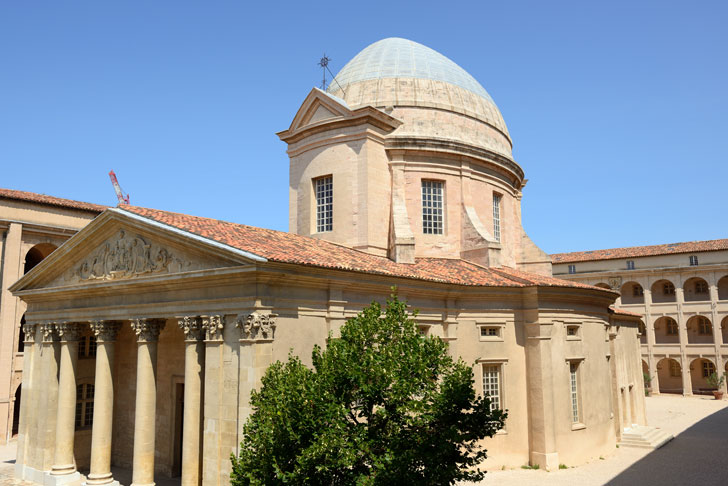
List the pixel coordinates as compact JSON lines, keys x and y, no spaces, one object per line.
{"x":50,"y":200}
{"x":283,"y":247}
{"x":622,"y":312}
{"x":640,"y":251}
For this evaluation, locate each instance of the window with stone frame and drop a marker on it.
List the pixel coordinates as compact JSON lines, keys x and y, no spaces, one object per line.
{"x":708,"y":369}
{"x":84,"y":405}
{"x":701,"y":287}
{"x":637,"y":290}
{"x":630,"y":265}
{"x":324,"y":191}
{"x":572,"y":269}
{"x":497,"y":198}
{"x":668,"y":289}
{"x":492,"y":384}
{"x":433,"y":204}
{"x":693,"y":260}
{"x":574,"y":390}
{"x":675,"y":371}
{"x":704,"y":326}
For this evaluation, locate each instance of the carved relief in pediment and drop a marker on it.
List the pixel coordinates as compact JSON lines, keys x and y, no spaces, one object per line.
{"x":126,"y":256}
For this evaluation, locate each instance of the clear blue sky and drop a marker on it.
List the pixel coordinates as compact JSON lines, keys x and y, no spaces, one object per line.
{"x":618,"y":111}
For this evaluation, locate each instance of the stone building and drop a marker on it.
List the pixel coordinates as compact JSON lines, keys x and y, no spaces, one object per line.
{"x":681,"y":292}
{"x":400,"y":176}
{"x":32,"y":226}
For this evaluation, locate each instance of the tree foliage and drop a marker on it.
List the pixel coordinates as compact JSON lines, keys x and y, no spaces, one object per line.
{"x":382,"y":405}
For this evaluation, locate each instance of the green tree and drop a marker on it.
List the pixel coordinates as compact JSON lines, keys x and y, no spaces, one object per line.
{"x":382,"y":405}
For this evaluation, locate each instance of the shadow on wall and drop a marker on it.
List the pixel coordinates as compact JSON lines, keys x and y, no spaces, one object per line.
{"x":697,"y":456}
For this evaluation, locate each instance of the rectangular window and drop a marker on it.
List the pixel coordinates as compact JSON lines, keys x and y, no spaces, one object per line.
{"x":701,"y":288}
{"x":324,"y":189}
{"x":574,"y":379}
{"x":572,"y":331}
{"x":572,"y":269}
{"x":630,"y":265}
{"x":496,"y":217}
{"x":489,"y":331}
{"x":668,"y":289}
{"x":708,"y":369}
{"x":693,"y":260}
{"x":674,"y":369}
{"x":492,"y":385}
{"x":432,"y":207}
{"x":671,"y":327}
{"x":704,"y":326}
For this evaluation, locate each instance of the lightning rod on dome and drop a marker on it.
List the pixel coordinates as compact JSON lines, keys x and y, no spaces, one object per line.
{"x":324,"y":63}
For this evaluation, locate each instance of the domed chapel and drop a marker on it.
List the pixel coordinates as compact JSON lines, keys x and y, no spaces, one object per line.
{"x":147,"y":331}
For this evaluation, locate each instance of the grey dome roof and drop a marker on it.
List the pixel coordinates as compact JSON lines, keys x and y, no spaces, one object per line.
{"x":401,"y":58}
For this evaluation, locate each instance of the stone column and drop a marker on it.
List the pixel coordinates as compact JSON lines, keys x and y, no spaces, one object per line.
{"x":683,"y":334}
{"x":105,"y":332}
{"x":27,"y":399}
{"x":256,"y":354}
{"x":194,"y":372}
{"x":64,"y":467}
{"x":215,"y":415}
{"x":48,"y":396}
{"x":147,"y":331}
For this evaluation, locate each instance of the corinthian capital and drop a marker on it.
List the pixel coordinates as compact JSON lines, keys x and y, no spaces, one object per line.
{"x":213,"y":326}
{"x":256,"y":327}
{"x":192,"y":327}
{"x":68,"y":331}
{"x":147,"y":330}
{"x":29,"y":331}
{"x":105,"y":331}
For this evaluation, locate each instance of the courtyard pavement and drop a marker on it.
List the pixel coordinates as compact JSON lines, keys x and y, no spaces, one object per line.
{"x":697,"y":455}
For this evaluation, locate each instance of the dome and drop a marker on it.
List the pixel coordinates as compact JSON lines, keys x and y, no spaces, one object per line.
{"x":408,"y":76}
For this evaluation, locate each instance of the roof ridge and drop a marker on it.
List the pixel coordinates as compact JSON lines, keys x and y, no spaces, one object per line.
{"x":639,"y":246}
{"x":40,"y":198}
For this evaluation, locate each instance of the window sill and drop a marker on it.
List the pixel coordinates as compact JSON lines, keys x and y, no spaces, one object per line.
{"x":573,"y":338}
{"x":578,"y":426}
{"x":491,"y":339}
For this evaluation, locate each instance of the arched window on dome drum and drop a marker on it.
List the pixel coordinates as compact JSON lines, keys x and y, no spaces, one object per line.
{"x":496,"y":216}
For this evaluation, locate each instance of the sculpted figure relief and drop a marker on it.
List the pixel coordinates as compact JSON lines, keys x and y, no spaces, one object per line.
{"x":126,"y":257}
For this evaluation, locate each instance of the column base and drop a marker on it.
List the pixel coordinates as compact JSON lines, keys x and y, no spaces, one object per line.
{"x":30,"y":474}
{"x":105,"y":479}
{"x":56,"y":479}
{"x":545,"y":460}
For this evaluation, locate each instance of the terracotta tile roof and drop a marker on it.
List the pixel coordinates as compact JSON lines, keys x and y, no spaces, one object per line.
{"x":283,"y":247}
{"x":640,"y":251}
{"x":50,"y":200}
{"x":622,"y":312}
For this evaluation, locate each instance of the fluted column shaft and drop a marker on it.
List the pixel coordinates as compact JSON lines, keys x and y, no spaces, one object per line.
{"x":63,"y":463}
{"x":147,"y":331}
{"x":105,"y":332}
{"x":194,"y":371}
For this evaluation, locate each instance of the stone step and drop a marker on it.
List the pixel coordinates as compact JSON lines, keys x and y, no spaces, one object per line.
{"x":646,"y":437}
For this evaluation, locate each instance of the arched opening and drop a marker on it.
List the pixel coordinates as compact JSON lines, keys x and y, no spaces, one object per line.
{"x":700,"y":370}
{"x":696,"y":289}
{"x":669,"y":374}
{"x":700,"y":330}
{"x":663,"y":291}
{"x":643,"y":332}
{"x":666,"y":331}
{"x":646,"y":374}
{"x":16,"y":411}
{"x":723,"y":288}
{"x":602,"y":285}
{"x":724,"y":330}
{"x":36,"y":254}
{"x":21,"y":336}
{"x":632,"y":293}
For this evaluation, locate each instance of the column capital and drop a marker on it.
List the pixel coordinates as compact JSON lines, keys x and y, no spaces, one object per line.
{"x":147,"y":330}
{"x":49,"y":332}
{"x":256,"y":326}
{"x":105,"y":331}
{"x":29,"y":332}
{"x":192,"y":327}
{"x":213,"y":326}
{"x":68,"y":331}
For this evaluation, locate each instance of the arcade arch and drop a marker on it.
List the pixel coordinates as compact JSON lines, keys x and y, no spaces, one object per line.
{"x":696,"y":289}
{"x":663,"y":291}
{"x":632,"y":293}
{"x":700,"y":330}
{"x":669,"y":374}
{"x":666,"y":331}
{"x":723,"y":288}
{"x":700,"y":369}
{"x":724,"y":330}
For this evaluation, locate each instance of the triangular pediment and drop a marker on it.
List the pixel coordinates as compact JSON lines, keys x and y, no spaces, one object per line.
{"x":118,"y":247}
{"x":318,"y":106}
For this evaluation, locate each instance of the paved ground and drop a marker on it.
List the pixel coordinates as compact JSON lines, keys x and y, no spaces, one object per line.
{"x":697,"y":455}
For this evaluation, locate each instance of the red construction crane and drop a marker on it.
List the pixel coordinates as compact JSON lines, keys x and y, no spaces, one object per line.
{"x":119,"y":195}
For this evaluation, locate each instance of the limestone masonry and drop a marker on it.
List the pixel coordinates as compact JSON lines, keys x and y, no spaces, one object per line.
{"x":146,"y":332}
